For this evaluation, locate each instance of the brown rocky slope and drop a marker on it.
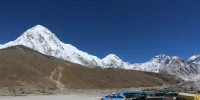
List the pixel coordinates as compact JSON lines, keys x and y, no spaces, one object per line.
{"x":23,"y":67}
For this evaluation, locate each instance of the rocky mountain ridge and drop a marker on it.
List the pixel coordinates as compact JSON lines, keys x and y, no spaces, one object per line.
{"x":46,"y":42}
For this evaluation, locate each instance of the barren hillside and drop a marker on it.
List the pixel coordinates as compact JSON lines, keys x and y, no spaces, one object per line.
{"x":23,"y":67}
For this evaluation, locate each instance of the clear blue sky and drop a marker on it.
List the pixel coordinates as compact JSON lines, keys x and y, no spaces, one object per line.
{"x":135,"y":30}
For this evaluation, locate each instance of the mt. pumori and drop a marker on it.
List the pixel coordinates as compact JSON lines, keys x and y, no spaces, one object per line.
{"x":44,"y":41}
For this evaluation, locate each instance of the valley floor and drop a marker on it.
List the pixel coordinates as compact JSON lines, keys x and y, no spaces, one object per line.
{"x":81,"y":94}
{"x":53,"y":97}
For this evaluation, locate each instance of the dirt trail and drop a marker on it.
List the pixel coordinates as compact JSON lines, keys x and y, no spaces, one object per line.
{"x":58,"y":70}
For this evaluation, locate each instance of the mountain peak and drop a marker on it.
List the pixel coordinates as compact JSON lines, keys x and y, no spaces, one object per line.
{"x":111,"y":57}
{"x":38,"y":33}
{"x":40,"y":39}
{"x":175,"y":57}
{"x":161,"y":55}
{"x":39,"y":27}
{"x":161,"y":59}
{"x":195,"y":58}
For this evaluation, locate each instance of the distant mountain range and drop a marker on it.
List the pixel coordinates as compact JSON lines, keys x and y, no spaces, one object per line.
{"x":44,"y":41}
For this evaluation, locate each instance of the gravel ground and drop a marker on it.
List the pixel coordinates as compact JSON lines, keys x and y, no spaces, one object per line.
{"x":53,"y":97}
{"x":81,"y":94}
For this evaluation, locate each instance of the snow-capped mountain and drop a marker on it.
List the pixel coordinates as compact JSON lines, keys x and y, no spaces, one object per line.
{"x":170,"y":65}
{"x":181,"y":68}
{"x":113,"y":61}
{"x":44,"y":41}
{"x":154,"y":65}
{"x":195,"y":59}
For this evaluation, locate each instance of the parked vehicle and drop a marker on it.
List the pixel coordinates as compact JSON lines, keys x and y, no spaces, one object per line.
{"x":132,"y":94}
{"x":143,"y":95}
{"x":172,"y":95}
{"x":149,"y":92}
{"x":114,"y":97}
{"x":159,"y":94}
{"x":126,"y":95}
{"x":187,"y":96}
{"x":158,"y":98}
{"x":166,"y":91}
